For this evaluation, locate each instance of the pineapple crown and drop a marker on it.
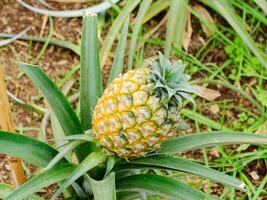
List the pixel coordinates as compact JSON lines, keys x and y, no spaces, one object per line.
{"x":170,"y":81}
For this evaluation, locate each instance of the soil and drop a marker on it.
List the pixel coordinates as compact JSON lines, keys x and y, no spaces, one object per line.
{"x":57,"y":61}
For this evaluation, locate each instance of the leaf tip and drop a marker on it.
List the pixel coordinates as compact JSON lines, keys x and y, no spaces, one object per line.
{"x":20,"y":63}
{"x":243,"y":187}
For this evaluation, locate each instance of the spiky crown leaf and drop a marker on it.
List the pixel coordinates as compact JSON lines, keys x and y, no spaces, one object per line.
{"x":170,"y":81}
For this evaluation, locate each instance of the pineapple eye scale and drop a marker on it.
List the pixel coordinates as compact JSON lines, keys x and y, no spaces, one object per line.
{"x":127,"y":119}
{"x":129,"y":87}
{"x":125,"y":102}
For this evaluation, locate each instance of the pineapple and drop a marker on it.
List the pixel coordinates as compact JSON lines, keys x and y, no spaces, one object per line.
{"x":140,"y":109}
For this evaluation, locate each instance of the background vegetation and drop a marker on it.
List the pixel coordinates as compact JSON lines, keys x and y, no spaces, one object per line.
{"x":224,"y":46}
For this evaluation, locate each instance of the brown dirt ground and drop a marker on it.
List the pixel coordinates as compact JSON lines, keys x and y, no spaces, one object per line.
{"x":58,"y":61}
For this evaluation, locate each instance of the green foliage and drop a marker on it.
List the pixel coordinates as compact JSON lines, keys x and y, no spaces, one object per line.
{"x":208,"y":139}
{"x":114,"y":29}
{"x":250,"y":66}
{"x":8,"y":41}
{"x":6,"y":189}
{"x":47,"y":178}
{"x":176,"y":25}
{"x":117,"y":65}
{"x":91,"y":79}
{"x":225,"y":9}
{"x":158,"y":185}
{"x":29,"y":149}
{"x":91,"y":161}
{"x":164,"y":162}
{"x":107,"y":185}
{"x":117,"y":178}
{"x":60,"y":106}
{"x":138,"y":23}
{"x":70,"y":13}
{"x":261,"y":95}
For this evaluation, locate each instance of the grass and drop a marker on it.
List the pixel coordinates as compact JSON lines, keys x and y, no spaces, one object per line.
{"x":242,"y":65}
{"x":239,"y":75}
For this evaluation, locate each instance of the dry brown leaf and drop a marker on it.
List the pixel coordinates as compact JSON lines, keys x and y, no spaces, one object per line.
{"x":45,"y":19}
{"x":58,"y":35}
{"x":188,"y":31}
{"x":22,"y":43}
{"x":208,"y":94}
{"x":7,"y":124}
{"x":206,"y":15}
{"x":214,"y":109}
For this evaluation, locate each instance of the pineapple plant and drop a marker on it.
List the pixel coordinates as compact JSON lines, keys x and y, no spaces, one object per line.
{"x":133,"y":126}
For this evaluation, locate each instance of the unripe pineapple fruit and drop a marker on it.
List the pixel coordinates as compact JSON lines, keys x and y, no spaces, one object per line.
{"x":140,"y":109}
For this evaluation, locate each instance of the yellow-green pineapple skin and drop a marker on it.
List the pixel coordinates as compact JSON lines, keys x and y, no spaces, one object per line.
{"x":129,"y":119}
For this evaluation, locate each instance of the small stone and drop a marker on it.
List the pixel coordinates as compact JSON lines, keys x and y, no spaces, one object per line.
{"x":7,"y":167}
{"x":254,"y":175}
{"x":214,"y":153}
{"x":62,"y":62}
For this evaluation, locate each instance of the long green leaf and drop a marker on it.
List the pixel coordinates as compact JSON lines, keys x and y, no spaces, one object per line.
{"x":71,"y":13}
{"x":49,"y":177}
{"x":203,"y":120}
{"x":158,"y":185}
{"x":175,"y":25}
{"x":155,"y":8}
{"x":79,"y":191}
{"x":84,"y":137}
{"x":127,"y":195}
{"x":60,"y":43}
{"x":26,"y":148}
{"x":58,"y":103}
{"x":6,"y":190}
{"x":225,"y":9}
{"x":104,"y":189}
{"x":49,"y":37}
{"x":69,"y":75}
{"x":262,"y":4}
{"x":250,"y":9}
{"x":63,"y":152}
{"x":116,"y":26}
{"x":88,"y":163}
{"x":91,"y":79}
{"x":45,"y":4}
{"x":8,"y":41}
{"x":117,"y":65}
{"x":137,"y":26}
{"x":208,"y":139}
{"x":57,"y":130}
{"x":181,"y":24}
{"x":180,"y":164}
{"x":29,"y":106}
{"x":110,"y":164}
